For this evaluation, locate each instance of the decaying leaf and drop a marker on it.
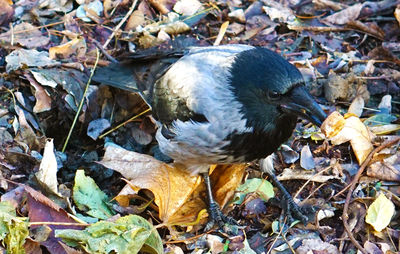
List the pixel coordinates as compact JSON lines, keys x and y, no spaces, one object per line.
{"x":13,"y":229}
{"x":380,"y":213}
{"x":129,"y":234}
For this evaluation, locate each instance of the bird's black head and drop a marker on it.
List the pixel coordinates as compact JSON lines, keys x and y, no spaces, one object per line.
{"x":269,"y":88}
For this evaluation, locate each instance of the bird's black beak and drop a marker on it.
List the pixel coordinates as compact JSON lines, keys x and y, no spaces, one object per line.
{"x":301,"y":103}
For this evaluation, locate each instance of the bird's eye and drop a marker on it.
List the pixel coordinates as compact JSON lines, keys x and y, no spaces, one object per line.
{"x":274,"y":95}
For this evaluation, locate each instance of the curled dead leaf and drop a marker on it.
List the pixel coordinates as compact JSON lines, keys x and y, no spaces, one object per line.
{"x":341,"y":130}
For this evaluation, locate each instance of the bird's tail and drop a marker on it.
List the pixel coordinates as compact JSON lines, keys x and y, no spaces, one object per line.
{"x":139,"y":71}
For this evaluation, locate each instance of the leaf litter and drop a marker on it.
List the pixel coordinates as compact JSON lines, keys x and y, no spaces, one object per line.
{"x":348,"y":53}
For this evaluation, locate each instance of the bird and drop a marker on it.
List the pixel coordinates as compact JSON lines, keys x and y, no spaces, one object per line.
{"x":224,"y":104}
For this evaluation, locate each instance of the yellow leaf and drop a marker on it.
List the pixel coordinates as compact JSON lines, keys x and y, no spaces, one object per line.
{"x":380,"y":213}
{"x":340,"y":130}
{"x":178,"y":194}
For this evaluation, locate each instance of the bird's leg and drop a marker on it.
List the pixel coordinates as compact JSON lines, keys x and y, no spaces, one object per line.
{"x":215,"y":213}
{"x":290,"y":208}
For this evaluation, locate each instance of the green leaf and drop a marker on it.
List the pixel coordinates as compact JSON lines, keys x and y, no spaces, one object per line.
{"x":128,"y":234}
{"x":13,"y":229}
{"x":262,"y":187}
{"x":89,"y":198}
{"x":380,"y":212}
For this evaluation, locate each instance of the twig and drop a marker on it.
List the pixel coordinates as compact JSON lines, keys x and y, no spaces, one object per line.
{"x":128,"y":14}
{"x":58,"y":223}
{"x":82,"y":101}
{"x":122,"y":124}
{"x":100,"y":47}
{"x":345,"y":215}
{"x":309,"y":180}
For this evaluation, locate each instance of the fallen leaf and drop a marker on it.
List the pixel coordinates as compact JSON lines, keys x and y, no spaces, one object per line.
{"x":387,"y":169}
{"x":187,"y":7}
{"x":74,"y":48}
{"x":352,"y":130}
{"x":42,"y":209}
{"x":43,"y":100}
{"x":89,"y":198}
{"x":357,"y":106}
{"x":178,"y":194}
{"x":171,"y":186}
{"x":306,"y":158}
{"x":31,"y":58}
{"x":380,"y":213}
{"x":96,"y":127}
{"x":316,"y":246}
{"x":384,"y":129}
{"x":344,"y":16}
{"x":47,"y":174}
{"x":260,"y":186}
{"x":6,"y":11}
{"x":128,"y":234}
{"x":13,"y":229}
{"x":26,"y":35}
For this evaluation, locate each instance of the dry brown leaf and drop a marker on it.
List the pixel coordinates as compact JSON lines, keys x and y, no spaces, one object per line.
{"x":47,"y":174}
{"x":369,"y":28}
{"x":135,"y":20}
{"x":178,"y":194}
{"x":43,"y":100}
{"x":225,"y":179}
{"x":346,"y":15}
{"x":352,"y":130}
{"x":26,"y":35}
{"x":171,"y":186}
{"x":76,"y":47}
{"x":387,"y":169}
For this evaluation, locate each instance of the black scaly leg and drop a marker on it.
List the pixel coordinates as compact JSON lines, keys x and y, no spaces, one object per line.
{"x":215,"y":213}
{"x":290,"y":208}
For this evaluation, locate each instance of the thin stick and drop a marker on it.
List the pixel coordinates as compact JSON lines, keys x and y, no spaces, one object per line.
{"x":122,"y":124}
{"x":128,"y":14}
{"x":345,"y":215}
{"x":58,"y":223}
{"x":82,"y":101}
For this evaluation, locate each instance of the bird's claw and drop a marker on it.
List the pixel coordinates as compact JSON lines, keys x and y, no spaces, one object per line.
{"x":216,"y":217}
{"x":294,"y":212}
